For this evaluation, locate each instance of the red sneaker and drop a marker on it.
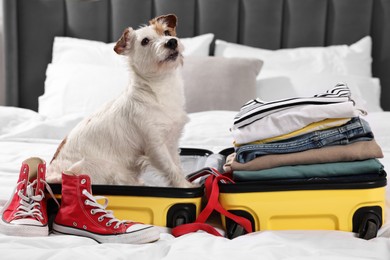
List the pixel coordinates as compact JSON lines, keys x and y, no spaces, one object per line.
{"x":25,"y":212}
{"x":80,"y":214}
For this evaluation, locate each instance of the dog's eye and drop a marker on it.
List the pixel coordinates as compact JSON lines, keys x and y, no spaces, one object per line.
{"x":144,"y":41}
{"x":167,"y":33}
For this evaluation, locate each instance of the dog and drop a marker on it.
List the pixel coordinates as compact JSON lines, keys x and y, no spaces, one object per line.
{"x":143,"y":125}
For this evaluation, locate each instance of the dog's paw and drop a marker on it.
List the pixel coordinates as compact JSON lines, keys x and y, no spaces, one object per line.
{"x":57,"y":178}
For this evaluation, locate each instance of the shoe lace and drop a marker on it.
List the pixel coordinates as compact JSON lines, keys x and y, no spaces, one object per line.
{"x":98,"y":208}
{"x":29,"y":204}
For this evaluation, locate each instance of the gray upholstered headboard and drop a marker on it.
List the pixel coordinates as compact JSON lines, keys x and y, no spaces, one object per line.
{"x":30,"y":26}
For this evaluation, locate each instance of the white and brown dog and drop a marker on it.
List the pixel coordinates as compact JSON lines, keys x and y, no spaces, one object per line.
{"x":140,"y":127}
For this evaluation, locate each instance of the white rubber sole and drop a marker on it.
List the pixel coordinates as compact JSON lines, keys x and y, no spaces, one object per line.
{"x":141,"y":236}
{"x":24,"y":230}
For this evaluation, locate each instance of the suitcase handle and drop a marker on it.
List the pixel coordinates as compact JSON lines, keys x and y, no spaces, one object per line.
{"x":212,"y":195}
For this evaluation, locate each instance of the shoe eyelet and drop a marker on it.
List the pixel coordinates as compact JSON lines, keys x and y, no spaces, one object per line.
{"x":86,"y":202}
{"x":93,"y":212}
{"x":83,"y":181}
{"x":100,"y":219}
{"x":84,"y":227}
{"x":75,"y":224}
{"x":108,"y":224}
{"x":116,"y":227}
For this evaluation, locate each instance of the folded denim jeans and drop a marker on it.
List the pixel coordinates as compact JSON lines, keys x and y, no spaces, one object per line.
{"x":357,"y":129}
{"x":356,"y":151}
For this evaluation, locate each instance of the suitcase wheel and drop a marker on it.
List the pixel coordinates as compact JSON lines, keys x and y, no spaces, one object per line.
{"x":369,"y":226}
{"x":180,"y":220}
{"x":181,"y":213}
{"x":233,"y":229}
{"x":367,"y":221}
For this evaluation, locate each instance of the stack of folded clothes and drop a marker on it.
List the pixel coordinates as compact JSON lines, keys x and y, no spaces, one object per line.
{"x":319,"y":136}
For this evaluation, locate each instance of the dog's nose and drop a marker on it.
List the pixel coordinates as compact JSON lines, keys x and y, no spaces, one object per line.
{"x":171,"y":44}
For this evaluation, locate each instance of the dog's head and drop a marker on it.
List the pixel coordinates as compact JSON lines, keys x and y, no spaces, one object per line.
{"x":152,"y":49}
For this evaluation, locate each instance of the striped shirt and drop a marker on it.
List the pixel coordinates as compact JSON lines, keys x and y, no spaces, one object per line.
{"x":257,"y":109}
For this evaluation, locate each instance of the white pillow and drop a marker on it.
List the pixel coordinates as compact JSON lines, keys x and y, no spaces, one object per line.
{"x":370,"y":90}
{"x":80,"y":51}
{"x":307,"y":70}
{"x":80,"y":88}
{"x":277,"y":85}
{"x":339,"y":59}
{"x":198,"y":45}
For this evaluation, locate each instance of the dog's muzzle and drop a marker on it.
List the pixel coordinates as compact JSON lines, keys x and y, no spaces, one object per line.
{"x":171,"y":44}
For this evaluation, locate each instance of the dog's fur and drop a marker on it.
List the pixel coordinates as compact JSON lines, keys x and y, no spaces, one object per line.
{"x":141,"y":126}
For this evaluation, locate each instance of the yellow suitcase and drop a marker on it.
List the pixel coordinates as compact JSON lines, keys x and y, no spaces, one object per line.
{"x":342,"y":203}
{"x":161,"y":206}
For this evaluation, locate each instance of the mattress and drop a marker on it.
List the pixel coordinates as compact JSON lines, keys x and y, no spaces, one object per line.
{"x":25,"y":133}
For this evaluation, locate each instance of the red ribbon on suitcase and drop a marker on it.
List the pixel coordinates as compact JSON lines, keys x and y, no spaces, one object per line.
{"x":212,"y":195}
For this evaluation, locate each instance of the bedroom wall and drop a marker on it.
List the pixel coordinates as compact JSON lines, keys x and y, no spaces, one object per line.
{"x":2,"y":74}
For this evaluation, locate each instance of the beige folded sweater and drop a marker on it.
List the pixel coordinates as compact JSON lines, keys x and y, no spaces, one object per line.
{"x":361,"y":150}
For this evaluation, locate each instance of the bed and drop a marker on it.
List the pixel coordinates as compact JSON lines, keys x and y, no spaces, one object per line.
{"x":236,"y":50}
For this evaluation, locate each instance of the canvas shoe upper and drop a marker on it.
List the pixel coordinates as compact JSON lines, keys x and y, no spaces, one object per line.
{"x":25,"y":213}
{"x":80,"y":214}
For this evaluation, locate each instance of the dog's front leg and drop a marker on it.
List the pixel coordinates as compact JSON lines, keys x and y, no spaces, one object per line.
{"x":162,"y":159}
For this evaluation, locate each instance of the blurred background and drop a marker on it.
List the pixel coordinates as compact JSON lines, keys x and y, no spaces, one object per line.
{"x":2,"y":87}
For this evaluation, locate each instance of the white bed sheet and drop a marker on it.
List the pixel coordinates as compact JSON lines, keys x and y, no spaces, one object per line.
{"x":24,"y":133}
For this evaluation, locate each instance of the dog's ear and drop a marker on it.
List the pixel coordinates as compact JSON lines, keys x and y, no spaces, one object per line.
{"x":170,"y":20}
{"x":123,"y":45}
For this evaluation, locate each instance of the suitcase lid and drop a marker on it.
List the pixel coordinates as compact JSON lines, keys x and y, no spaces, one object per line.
{"x":143,"y":191}
{"x":364,"y":181}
